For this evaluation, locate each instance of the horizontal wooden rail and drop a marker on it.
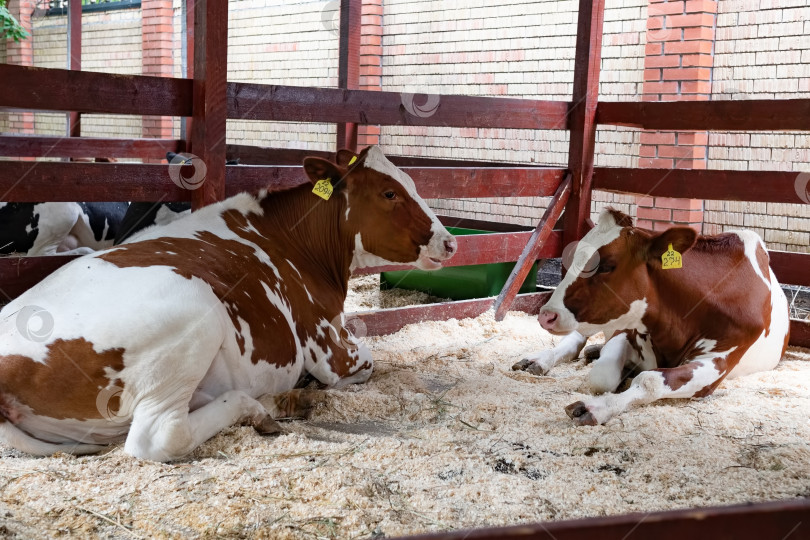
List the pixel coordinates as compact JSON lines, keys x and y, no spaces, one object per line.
{"x":762,"y":186}
{"x":742,"y":115}
{"x":18,"y":274}
{"x":91,"y":92}
{"x":772,"y":520}
{"x":87,"y":147}
{"x":791,"y":268}
{"x":800,"y":333}
{"x":485,"y":249}
{"x":388,"y":321}
{"x":250,"y":101}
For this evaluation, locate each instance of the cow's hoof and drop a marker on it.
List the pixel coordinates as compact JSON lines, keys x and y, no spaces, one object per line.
{"x":299,"y":403}
{"x":267,"y":426}
{"x":529,"y":366}
{"x":579,"y":413}
{"x":591,"y":353}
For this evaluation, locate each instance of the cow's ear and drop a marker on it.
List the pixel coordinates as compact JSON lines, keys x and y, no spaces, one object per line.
{"x":318,"y":169}
{"x":681,"y":239}
{"x":346,"y":158}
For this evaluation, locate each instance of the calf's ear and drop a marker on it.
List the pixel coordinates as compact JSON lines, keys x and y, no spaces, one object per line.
{"x":681,"y":238}
{"x":345,"y":158}
{"x":318,"y":169}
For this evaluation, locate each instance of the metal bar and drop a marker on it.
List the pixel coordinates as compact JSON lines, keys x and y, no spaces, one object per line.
{"x":532,"y":250}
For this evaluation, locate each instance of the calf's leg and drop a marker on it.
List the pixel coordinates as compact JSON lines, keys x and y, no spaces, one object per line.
{"x":697,"y":378}
{"x":542,"y":362}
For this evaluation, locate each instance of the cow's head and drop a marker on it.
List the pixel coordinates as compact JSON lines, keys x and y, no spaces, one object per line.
{"x":389,"y":221}
{"x":606,"y":287}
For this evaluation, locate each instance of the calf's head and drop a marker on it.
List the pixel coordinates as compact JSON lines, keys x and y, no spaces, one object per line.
{"x":606,"y":286}
{"x":388,"y":220}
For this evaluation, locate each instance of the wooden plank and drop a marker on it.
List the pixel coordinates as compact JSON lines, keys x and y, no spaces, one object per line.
{"x":431,"y":183}
{"x":87,"y":147}
{"x":91,"y":92}
{"x":251,"y":101}
{"x":18,"y":274}
{"x":762,"y":186}
{"x":74,"y":128}
{"x":773,"y":520}
{"x":791,"y":268}
{"x":582,"y":123}
{"x":209,"y":100}
{"x":485,"y":249}
{"x":34,"y":181}
{"x":743,"y":115}
{"x":800,"y":333}
{"x":532,"y":250}
{"x":349,"y":64}
{"x":388,"y":321}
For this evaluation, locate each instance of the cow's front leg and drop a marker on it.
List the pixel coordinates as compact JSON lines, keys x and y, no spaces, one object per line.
{"x":606,"y":371}
{"x":175,"y":432}
{"x":697,"y":378}
{"x":541,"y":363}
{"x":346,"y":360}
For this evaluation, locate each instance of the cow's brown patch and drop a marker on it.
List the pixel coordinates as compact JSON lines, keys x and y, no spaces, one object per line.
{"x":66,"y":385}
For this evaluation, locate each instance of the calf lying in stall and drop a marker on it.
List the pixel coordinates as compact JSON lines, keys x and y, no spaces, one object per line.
{"x":683,"y":311}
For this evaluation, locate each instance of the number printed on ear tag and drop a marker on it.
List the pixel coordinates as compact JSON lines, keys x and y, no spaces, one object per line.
{"x":671,"y":259}
{"x":323,"y":189}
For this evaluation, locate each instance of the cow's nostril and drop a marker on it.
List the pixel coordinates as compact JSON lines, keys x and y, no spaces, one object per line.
{"x":450,"y":246}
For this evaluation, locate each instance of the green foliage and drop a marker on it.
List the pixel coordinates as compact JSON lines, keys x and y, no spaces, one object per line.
{"x":10,"y":28}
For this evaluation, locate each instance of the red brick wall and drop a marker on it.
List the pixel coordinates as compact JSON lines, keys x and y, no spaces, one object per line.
{"x":370,"y":62}
{"x":156,"y":33}
{"x":677,"y":67}
{"x":21,"y":53}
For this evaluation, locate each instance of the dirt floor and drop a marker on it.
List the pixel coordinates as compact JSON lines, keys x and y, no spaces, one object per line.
{"x":443,"y":436}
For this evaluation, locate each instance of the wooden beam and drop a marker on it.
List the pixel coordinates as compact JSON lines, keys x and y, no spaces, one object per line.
{"x":91,"y":92}
{"x":800,"y":333}
{"x":349,"y":64}
{"x":18,"y":274}
{"x":742,"y":115}
{"x":388,"y":321}
{"x":209,"y":99}
{"x":582,"y":122}
{"x":251,"y":101}
{"x":762,"y":186}
{"x":778,"y":520}
{"x":791,"y":268}
{"x":34,"y":181}
{"x":86,"y":147}
{"x":485,"y":249}
{"x":532,"y":250}
{"x":431,"y":183}
{"x":74,"y":128}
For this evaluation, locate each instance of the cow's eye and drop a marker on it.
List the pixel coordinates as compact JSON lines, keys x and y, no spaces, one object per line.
{"x":605,"y":268}
{"x":390,"y":195}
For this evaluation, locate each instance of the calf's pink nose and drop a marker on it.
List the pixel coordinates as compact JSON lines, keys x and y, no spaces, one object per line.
{"x":450,"y":246}
{"x":547,"y":319}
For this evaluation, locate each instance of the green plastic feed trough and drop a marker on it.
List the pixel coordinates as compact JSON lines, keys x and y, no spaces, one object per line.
{"x":459,"y":282}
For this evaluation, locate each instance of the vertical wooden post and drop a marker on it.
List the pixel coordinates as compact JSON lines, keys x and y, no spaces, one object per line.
{"x":582,"y":117}
{"x":209,"y":101}
{"x":74,"y":58}
{"x":349,"y":63}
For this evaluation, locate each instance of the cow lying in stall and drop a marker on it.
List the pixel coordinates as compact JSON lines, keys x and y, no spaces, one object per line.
{"x":168,"y":339}
{"x":711,"y":308}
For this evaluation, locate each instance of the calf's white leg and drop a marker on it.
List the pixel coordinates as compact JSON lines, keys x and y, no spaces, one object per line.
{"x":542,"y":362}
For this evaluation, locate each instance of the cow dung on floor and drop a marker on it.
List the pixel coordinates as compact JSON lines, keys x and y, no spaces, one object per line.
{"x":443,"y":436}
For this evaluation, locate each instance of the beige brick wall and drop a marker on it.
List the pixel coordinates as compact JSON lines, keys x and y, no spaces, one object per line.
{"x":511,"y":48}
{"x":111,"y":41}
{"x":283,"y":42}
{"x":762,"y":52}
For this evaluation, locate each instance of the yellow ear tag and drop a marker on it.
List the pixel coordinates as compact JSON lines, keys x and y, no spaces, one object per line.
{"x":671,"y":259}
{"x":353,"y":160}
{"x":323,"y":189}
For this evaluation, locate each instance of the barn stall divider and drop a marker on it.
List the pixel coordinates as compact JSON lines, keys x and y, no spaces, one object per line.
{"x":206,"y":99}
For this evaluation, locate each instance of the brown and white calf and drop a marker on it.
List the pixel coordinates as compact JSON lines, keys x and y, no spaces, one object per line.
{"x":165,"y":341}
{"x":721,"y":314}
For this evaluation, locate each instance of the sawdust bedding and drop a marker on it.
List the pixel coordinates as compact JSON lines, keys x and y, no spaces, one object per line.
{"x":443,"y":436}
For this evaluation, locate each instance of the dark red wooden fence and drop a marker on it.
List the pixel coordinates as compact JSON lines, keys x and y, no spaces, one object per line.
{"x":206,"y":100}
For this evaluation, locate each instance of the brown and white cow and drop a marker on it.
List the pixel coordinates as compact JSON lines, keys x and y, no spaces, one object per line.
{"x":165,"y":341}
{"x":721,"y":314}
